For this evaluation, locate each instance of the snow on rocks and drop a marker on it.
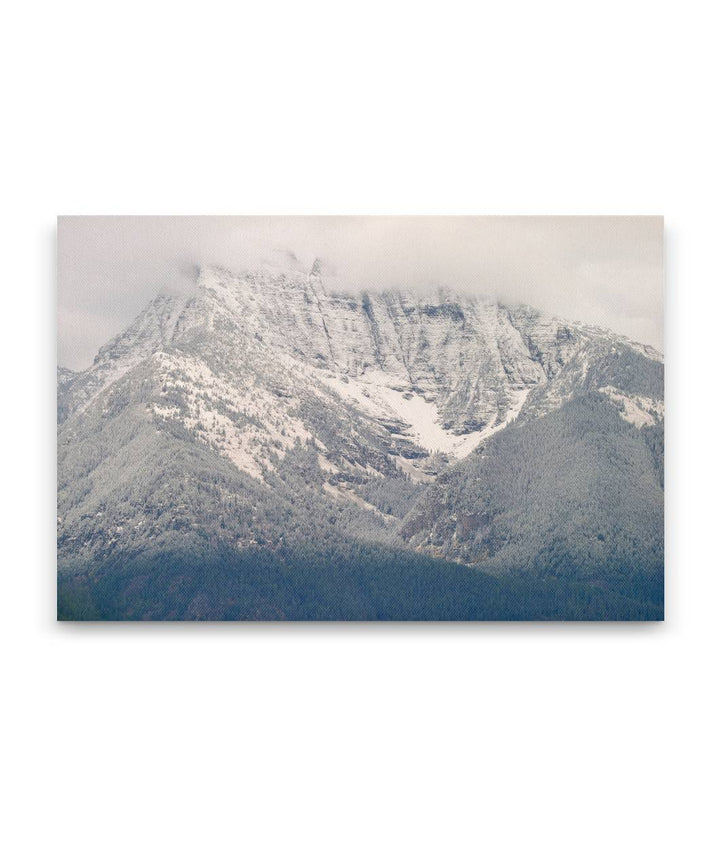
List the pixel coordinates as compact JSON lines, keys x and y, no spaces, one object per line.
{"x":638,"y":410}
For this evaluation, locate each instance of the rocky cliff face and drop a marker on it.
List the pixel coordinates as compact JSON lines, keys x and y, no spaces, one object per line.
{"x":359,"y":400}
{"x":441,"y":369}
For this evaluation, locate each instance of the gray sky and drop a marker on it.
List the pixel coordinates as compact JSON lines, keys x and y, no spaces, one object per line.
{"x":602,"y":270}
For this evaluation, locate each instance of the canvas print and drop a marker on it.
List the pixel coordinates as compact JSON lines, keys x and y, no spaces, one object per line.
{"x":360,"y":419}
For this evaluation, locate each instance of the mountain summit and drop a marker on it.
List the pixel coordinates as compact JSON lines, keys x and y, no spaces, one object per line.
{"x":265,"y":414}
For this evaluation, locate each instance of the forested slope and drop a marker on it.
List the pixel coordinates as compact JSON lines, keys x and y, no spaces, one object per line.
{"x":576,"y":494}
{"x":265,"y":448}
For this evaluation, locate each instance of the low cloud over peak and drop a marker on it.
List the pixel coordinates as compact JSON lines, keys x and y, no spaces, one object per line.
{"x":602,"y":270}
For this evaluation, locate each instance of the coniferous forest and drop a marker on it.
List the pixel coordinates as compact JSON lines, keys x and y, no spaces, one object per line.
{"x":264,"y":450}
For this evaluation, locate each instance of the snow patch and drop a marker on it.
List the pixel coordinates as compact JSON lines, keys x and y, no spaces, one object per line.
{"x":245,"y":424}
{"x":638,"y":410}
{"x":377,"y":394}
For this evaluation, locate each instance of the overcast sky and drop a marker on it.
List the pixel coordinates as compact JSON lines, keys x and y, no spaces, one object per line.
{"x":602,"y":270}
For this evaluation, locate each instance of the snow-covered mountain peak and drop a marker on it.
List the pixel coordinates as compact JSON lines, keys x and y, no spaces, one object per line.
{"x":430,"y":372}
{"x":271,"y":410}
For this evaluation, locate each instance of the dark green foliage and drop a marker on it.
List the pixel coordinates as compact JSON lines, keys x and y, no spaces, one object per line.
{"x":654,"y":436}
{"x":626,"y":369}
{"x":394,"y":496}
{"x":576,"y":494}
{"x":158,"y":526}
{"x":561,"y":517}
{"x":343,"y":582}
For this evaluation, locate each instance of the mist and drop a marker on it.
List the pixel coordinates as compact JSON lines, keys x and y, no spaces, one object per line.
{"x":601,"y":270}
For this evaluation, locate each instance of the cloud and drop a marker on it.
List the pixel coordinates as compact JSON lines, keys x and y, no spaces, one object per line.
{"x":603,"y":270}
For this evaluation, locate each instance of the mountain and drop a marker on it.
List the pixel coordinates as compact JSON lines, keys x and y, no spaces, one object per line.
{"x":265,"y":433}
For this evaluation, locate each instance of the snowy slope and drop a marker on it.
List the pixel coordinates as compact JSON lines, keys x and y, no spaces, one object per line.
{"x":252,"y":364}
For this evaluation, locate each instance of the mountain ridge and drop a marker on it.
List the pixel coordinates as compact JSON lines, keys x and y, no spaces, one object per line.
{"x":166,"y":316}
{"x":350,"y":416}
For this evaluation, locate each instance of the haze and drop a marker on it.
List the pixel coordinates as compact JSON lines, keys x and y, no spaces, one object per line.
{"x":601,"y":270}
